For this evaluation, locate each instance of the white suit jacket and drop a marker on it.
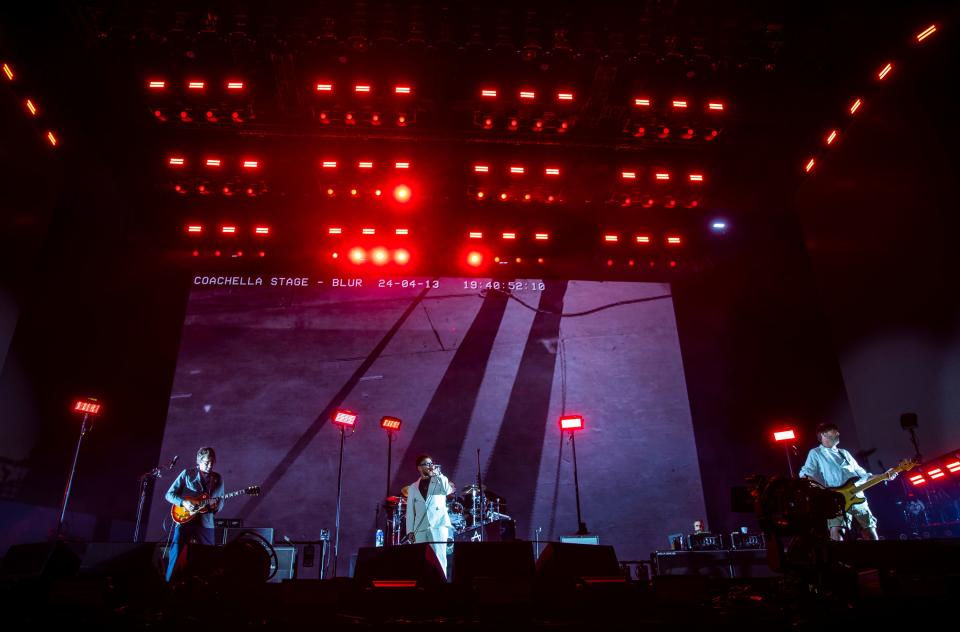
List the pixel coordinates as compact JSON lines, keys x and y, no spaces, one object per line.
{"x":430,"y":512}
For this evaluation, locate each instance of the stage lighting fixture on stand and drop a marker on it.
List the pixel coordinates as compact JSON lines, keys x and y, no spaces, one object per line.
{"x":89,"y":407}
{"x":789,"y":440}
{"x":571,"y":424}
{"x":342,"y":419}
{"x":392,"y":426}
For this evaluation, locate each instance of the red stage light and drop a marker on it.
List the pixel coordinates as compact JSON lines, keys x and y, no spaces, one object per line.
{"x":674,"y":241}
{"x":642,"y":102}
{"x":51,"y":139}
{"x":480,"y":195}
{"x":628,"y":175}
{"x":365,"y":164}
{"x":401,"y":256}
{"x":565,"y":96}
{"x":517,"y":170}
{"x":476,"y":234}
{"x":194,"y":228}
{"x":262,"y":230}
{"x":679,"y":104}
{"x":552,"y":171}
{"x":542,"y":236}
{"x":696,"y":177}
{"x":855,"y":106}
{"x":390,"y":423}
{"x":234,"y":85}
{"x":331,"y":192}
{"x":402,"y":193}
{"x":402,"y":120}
{"x":831,"y":137}
{"x":176,"y":162}
{"x":715,"y":106}
{"x":504,"y":196}
{"x":481,"y":169}
{"x":509,"y":235}
{"x":88,"y":406}
{"x":528,"y":95}
{"x":329,"y":164}
{"x":8,"y":71}
{"x":809,"y":166}
{"x":401,"y":231}
{"x":402,"y":90}
{"x":884,"y":72}
{"x":251,"y":164}
{"x":344,"y":418}
{"x":228,"y":230}
{"x":213,"y":162}
{"x":474,"y":259}
{"x":527,"y":197}
{"x":784,"y":435}
{"x":31,"y":107}
{"x":954,"y":467}
{"x":196,"y":85}
{"x":368,"y":231}
{"x":365,"y":89}
{"x":643,"y":239}
{"x":324,"y":87}
{"x":401,"y":165}
{"x":611,"y":238}
{"x":488,"y":93}
{"x":379,"y":256}
{"x":334,"y":231}
{"x":354,"y":192}
{"x":156,"y":84}
{"x":663,"y":176}
{"x":357,"y":255}
{"x":571,"y":423}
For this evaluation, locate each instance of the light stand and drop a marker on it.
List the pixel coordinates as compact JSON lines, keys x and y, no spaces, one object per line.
{"x":787,"y":438}
{"x":342,"y":418}
{"x":89,"y":407}
{"x":571,"y":424}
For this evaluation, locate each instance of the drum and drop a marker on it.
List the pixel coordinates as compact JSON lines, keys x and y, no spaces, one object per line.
{"x":457,"y":516}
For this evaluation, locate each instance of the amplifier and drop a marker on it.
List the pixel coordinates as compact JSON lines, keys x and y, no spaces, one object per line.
{"x":705,"y":541}
{"x":740,"y":540}
{"x":286,"y":564}
{"x":230,"y":534}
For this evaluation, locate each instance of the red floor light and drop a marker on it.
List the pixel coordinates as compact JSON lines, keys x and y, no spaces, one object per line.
{"x":357,"y":255}
{"x":379,"y":256}
{"x":401,"y":256}
{"x":474,"y":259}
{"x":402,"y":193}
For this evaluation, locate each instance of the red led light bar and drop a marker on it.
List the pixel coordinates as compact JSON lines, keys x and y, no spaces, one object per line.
{"x":645,"y":103}
{"x":51,"y":139}
{"x":401,"y":231}
{"x":262,"y":230}
{"x":679,"y":104}
{"x":334,"y":231}
{"x":696,"y":177}
{"x":541,"y":236}
{"x":509,"y":235}
{"x":369,"y":231}
{"x":329,"y":164}
{"x":213,"y":162}
{"x":518,"y":170}
{"x":228,"y":230}
{"x":251,"y":164}
{"x":611,"y":238}
{"x":884,"y":72}
{"x":643,"y":239}
{"x":234,"y":85}
{"x":488,"y":93}
{"x":196,"y":85}
{"x":715,"y":106}
{"x":361,"y":88}
{"x":365,"y":165}
{"x":809,"y":166}
{"x":194,"y":228}
{"x":8,"y":71}
{"x":402,"y":90}
{"x":855,"y":106}
{"x":401,"y":165}
{"x":565,"y":96}
{"x":674,"y":241}
{"x":476,"y":234}
{"x":831,"y":137}
{"x":628,"y":175}
{"x":528,"y":95}
{"x":930,"y":30}
{"x":663,"y":176}
{"x":156,"y":85}
{"x":324,"y":87}
{"x":552,"y":171}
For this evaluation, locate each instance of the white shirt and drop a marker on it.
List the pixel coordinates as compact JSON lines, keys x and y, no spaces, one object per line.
{"x":832,"y":467}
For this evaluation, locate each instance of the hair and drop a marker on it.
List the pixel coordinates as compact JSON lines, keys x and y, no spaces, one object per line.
{"x":421,"y":458}
{"x":206,"y":451}
{"x":826,"y":426}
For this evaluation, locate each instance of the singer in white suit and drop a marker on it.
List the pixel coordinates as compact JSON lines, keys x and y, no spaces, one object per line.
{"x":427,"y":517}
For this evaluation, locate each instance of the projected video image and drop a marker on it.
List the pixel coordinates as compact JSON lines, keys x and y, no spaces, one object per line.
{"x":479,"y":372}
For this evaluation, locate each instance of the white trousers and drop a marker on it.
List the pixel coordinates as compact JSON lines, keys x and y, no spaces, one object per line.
{"x":438,"y":539}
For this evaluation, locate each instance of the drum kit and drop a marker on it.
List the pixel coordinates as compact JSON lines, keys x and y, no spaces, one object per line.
{"x":469,"y":510}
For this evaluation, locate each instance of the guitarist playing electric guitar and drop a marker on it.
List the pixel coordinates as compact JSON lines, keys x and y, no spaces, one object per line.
{"x":832,"y":467}
{"x":193,"y":483}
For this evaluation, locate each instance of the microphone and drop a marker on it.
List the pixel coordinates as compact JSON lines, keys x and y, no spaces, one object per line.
{"x":173,"y":462}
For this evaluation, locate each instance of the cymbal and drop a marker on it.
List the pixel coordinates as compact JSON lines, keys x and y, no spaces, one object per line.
{"x":474,"y":488}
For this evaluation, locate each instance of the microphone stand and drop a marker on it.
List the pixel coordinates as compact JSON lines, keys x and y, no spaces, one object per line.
{"x":144,"y":481}
{"x":483,"y":496}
